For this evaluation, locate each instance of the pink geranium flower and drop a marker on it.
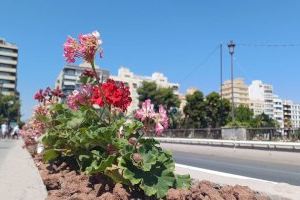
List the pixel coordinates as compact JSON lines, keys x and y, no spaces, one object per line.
{"x":71,"y":50}
{"x":80,"y":97}
{"x":86,"y":47}
{"x":146,"y":112}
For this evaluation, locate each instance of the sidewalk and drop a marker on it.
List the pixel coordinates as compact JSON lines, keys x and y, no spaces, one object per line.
{"x":19,"y":177}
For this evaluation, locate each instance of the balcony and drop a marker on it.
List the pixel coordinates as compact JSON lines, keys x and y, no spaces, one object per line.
{"x":9,"y":85}
{"x":69,"y":83}
{"x":70,"y":77}
{"x":9,"y":62}
{"x":6,"y":69}
{"x":6,"y":53}
{"x":10,"y":78}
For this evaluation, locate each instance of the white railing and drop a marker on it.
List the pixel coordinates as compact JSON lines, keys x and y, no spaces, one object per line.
{"x":233,"y":143}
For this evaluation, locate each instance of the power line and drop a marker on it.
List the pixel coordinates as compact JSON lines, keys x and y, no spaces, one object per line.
{"x":269,"y":44}
{"x":204,"y":61}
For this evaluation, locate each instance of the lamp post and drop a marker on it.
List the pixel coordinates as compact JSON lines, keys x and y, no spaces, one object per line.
{"x":231,"y":46}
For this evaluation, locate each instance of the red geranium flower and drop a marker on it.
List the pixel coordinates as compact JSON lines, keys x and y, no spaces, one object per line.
{"x":39,"y":95}
{"x":115,"y":94}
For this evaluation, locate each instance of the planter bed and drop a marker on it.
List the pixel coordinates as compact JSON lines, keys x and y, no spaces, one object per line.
{"x":65,"y":182}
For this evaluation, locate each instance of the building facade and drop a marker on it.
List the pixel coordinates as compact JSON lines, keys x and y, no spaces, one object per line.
{"x":134,"y":81}
{"x":69,"y":77}
{"x":287,"y":113}
{"x":295,"y":115}
{"x":8,"y":68}
{"x":278,"y":111}
{"x":257,"y":106}
{"x":261,"y":93}
{"x":240,"y":92}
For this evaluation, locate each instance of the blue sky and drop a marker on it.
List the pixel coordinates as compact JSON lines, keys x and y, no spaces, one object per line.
{"x":170,"y":36}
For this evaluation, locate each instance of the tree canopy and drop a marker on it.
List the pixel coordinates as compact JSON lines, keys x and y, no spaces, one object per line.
{"x":202,"y":112}
{"x":9,"y":108}
{"x":158,"y":95}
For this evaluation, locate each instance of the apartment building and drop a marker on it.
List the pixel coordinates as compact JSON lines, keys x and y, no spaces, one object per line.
{"x":135,"y":81}
{"x":287,"y":113}
{"x":257,"y":106}
{"x":278,"y":111}
{"x":69,"y":77}
{"x":295,"y":115}
{"x":240,"y":92}
{"x":261,"y":95}
{"x":8,"y":68}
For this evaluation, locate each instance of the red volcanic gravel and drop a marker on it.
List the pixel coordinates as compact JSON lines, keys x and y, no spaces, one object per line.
{"x":64,"y":182}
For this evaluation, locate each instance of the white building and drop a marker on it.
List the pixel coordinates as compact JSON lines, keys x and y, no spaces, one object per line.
{"x":291,"y":112}
{"x":69,"y":77}
{"x":135,"y":81}
{"x":278,"y":111}
{"x":8,"y":68}
{"x":295,"y":115}
{"x":261,"y":94}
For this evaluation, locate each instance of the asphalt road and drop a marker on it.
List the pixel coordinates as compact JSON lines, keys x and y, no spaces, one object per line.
{"x":272,"y":166}
{"x":5,"y":146}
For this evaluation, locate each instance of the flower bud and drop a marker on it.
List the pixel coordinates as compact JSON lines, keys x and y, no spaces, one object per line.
{"x":132,"y":140}
{"x":137,"y":157}
{"x":110,"y":149}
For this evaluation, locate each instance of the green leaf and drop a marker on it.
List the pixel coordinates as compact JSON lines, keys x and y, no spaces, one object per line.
{"x":149,"y":156}
{"x":50,"y":155}
{"x":183,"y":181}
{"x":155,"y":181}
{"x":97,"y":166}
{"x":114,"y":173}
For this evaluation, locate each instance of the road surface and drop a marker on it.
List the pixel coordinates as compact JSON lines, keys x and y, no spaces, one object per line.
{"x":273,"y":166}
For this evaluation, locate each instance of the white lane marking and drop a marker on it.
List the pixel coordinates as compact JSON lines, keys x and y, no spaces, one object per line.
{"x":221,"y":173}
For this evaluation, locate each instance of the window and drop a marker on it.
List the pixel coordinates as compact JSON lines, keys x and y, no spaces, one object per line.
{"x":7,"y":58}
{"x":69,"y":71}
{"x":8,"y":50}
{"x":7,"y":66}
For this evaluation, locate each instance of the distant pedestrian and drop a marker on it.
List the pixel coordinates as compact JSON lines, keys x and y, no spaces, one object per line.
{"x":4,"y":129}
{"x":15,"y":132}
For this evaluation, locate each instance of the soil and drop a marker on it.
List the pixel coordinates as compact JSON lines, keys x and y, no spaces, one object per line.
{"x":64,"y":182}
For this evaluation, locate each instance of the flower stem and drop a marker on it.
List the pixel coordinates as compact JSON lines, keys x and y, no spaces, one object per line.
{"x":101,"y":91}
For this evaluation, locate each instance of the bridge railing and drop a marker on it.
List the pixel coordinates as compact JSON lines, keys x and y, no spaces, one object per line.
{"x":253,"y":134}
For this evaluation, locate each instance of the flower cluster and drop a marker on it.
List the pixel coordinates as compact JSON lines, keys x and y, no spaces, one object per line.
{"x":86,"y":47}
{"x":112,"y":93}
{"x":33,"y":129}
{"x":80,"y":97}
{"x":43,"y":96}
{"x":147,"y":113}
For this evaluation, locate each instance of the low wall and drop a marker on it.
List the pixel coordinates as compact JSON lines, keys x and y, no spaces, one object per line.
{"x":234,"y":134}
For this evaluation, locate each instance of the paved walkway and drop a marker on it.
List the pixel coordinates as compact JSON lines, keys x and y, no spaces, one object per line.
{"x":19,"y":177}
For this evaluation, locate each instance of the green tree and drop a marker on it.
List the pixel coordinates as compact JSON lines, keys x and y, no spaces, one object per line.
{"x":263,"y":121}
{"x":243,"y":114}
{"x":216,"y":110}
{"x":148,"y":90}
{"x":194,"y":111}
{"x":162,"y":96}
{"x":158,"y":96}
{"x":9,"y":108}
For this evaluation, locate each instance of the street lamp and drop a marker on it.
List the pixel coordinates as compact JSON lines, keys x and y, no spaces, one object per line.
{"x":231,"y":46}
